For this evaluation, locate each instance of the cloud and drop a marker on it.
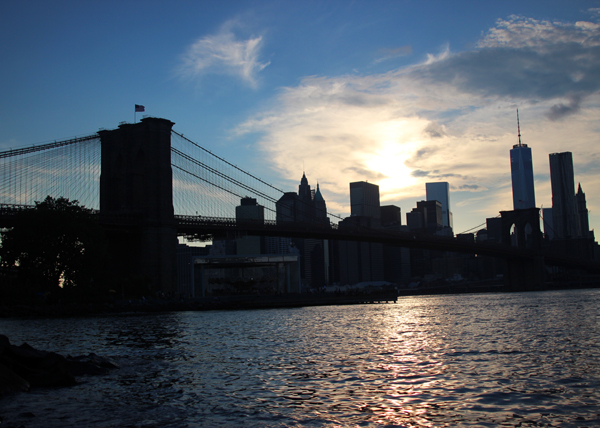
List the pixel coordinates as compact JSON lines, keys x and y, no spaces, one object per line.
{"x":526,"y":59}
{"x":435,"y":130}
{"x":419,"y":173}
{"x":469,"y":187}
{"x":450,"y":118}
{"x":558,"y":111}
{"x":224,"y":53}
{"x":387,"y":54}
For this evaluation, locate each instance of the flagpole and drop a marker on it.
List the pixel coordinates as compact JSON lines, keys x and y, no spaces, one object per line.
{"x":135,"y":110}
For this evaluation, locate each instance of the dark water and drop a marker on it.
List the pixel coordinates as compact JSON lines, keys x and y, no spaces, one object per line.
{"x":522,"y":359}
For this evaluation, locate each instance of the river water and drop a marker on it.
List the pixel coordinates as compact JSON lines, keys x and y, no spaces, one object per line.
{"x":514,"y":359}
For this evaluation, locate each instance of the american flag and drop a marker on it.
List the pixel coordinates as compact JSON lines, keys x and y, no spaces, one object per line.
{"x":139,"y":108}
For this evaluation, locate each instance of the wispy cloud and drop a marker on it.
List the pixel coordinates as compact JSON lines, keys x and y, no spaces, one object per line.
{"x":450,"y":118}
{"x":224,"y":53}
{"x":387,"y":53}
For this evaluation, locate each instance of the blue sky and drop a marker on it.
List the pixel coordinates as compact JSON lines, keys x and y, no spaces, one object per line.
{"x":398,"y":93}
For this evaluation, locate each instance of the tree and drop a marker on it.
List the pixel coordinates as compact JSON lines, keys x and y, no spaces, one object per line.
{"x":57,"y":243}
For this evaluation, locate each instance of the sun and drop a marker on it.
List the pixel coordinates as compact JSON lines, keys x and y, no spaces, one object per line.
{"x":398,"y":140}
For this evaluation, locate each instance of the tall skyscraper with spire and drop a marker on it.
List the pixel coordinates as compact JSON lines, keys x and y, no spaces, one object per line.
{"x":521,"y":169}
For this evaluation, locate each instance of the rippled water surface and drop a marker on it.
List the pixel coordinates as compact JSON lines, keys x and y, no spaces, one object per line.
{"x":519,"y":359}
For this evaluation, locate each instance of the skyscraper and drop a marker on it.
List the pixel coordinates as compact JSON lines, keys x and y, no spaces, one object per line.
{"x":565,"y":217}
{"x":364,"y":200}
{"x":249,"y":210}
{"x":440,"y":192}
{"x":521,"y":171}
{"x":361,"y":261}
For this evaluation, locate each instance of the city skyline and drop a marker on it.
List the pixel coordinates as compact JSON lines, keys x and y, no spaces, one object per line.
{"x":397,"y":95}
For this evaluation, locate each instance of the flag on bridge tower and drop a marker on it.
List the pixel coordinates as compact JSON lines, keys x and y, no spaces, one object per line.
{"x":138,"y":108}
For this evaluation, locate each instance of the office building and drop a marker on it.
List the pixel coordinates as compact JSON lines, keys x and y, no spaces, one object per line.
{"x":440,"y":191}
{"x":565,"y":216}
{"x":361,"y":261}
{"x":427,"y":216}
{"x":391,"y":215}
{"x":364,"y":200}
{"x":249,"y":210}
{"x":521,"y":172}
{"x":396,"y":260}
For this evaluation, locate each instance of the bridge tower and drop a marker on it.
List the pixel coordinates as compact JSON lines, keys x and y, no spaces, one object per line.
{"x":523,"y":274}
{"x":136,"y":203}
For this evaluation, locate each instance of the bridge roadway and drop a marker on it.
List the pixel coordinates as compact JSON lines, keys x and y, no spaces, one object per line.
{"x":207,"y":228}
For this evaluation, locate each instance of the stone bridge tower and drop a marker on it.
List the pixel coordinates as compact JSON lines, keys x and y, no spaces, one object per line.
{"x":523,"y":274}
{"x":136,"y":204}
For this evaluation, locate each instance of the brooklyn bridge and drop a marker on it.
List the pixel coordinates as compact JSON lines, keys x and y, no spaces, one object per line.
{"x":149,"y":184}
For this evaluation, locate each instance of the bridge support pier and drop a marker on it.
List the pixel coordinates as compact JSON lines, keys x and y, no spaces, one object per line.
{"x":524,"y":274}
{"x":136,"y":204}
{"x":521,"y":228}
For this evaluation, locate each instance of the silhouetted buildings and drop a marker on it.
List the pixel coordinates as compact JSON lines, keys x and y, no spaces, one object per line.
{"x":570,"y":225}
{"x":396,"y":259}
{"x":426,"y":216}
{"x":307,"y":206}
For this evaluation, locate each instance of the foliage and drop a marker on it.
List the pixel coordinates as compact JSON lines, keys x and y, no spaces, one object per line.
{"x":56,"y":243}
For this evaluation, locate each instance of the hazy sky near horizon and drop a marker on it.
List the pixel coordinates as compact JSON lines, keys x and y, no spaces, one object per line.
{"x":397,"y":93}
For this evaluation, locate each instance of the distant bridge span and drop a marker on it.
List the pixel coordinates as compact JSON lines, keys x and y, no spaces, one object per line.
{"x":204,"y":228}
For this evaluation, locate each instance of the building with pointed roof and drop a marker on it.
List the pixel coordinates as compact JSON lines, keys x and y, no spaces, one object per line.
{"x":307,"y":206}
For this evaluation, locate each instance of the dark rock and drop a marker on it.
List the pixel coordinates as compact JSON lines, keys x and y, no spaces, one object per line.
{"x":90,"y":364}
{"x":11,"y":382}
{"x":22,"y":367}
{"x":39,"y":368}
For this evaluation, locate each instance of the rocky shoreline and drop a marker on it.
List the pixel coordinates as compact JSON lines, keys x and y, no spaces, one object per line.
{"x":24,"y":367}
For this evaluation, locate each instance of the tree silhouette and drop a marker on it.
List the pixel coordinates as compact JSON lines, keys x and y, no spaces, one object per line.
{"x":57,"y":243}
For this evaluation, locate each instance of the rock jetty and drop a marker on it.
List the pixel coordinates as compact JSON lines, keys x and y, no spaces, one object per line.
{"x":24,"y":367}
